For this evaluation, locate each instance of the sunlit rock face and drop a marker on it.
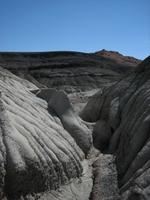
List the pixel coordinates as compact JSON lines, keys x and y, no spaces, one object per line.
{"x":118,"y":57}
{"x":36,"y":153}
{"x":122,"y":114}
{"x":60,"y":104}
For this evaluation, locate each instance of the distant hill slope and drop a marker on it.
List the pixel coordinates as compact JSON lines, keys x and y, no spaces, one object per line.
{"x":70,"y":71}
{"x":119,"y":58}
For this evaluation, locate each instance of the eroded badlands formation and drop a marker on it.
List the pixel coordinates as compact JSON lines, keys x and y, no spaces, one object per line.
{"x":36,"y":153}
{"x":78,"y":74}
{"x":122,"y":128}
{"x":46,"y":148}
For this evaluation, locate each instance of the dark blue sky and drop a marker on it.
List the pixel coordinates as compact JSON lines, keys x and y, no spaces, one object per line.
{"x":79,"y":25}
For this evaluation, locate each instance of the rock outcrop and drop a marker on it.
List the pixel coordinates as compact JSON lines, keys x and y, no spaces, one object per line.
{"x":37,"y":155}
{"x":123,"y":120}
{"x":60,"y":104}
{"x":78,"y":74}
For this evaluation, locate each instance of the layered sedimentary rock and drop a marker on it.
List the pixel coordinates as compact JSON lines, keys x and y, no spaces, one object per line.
{"x":123,"y":124}
{"x":37,"y":155}
{"x":69,"y":71}
{"x":78,"y":74}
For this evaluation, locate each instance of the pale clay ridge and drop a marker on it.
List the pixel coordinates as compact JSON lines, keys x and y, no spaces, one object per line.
{"x":59,"y":102}
{"x":36,"y":153}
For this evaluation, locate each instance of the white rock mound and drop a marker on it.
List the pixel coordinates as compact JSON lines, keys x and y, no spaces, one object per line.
{"x":59,"y":102}
{"x":36,"y":153}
